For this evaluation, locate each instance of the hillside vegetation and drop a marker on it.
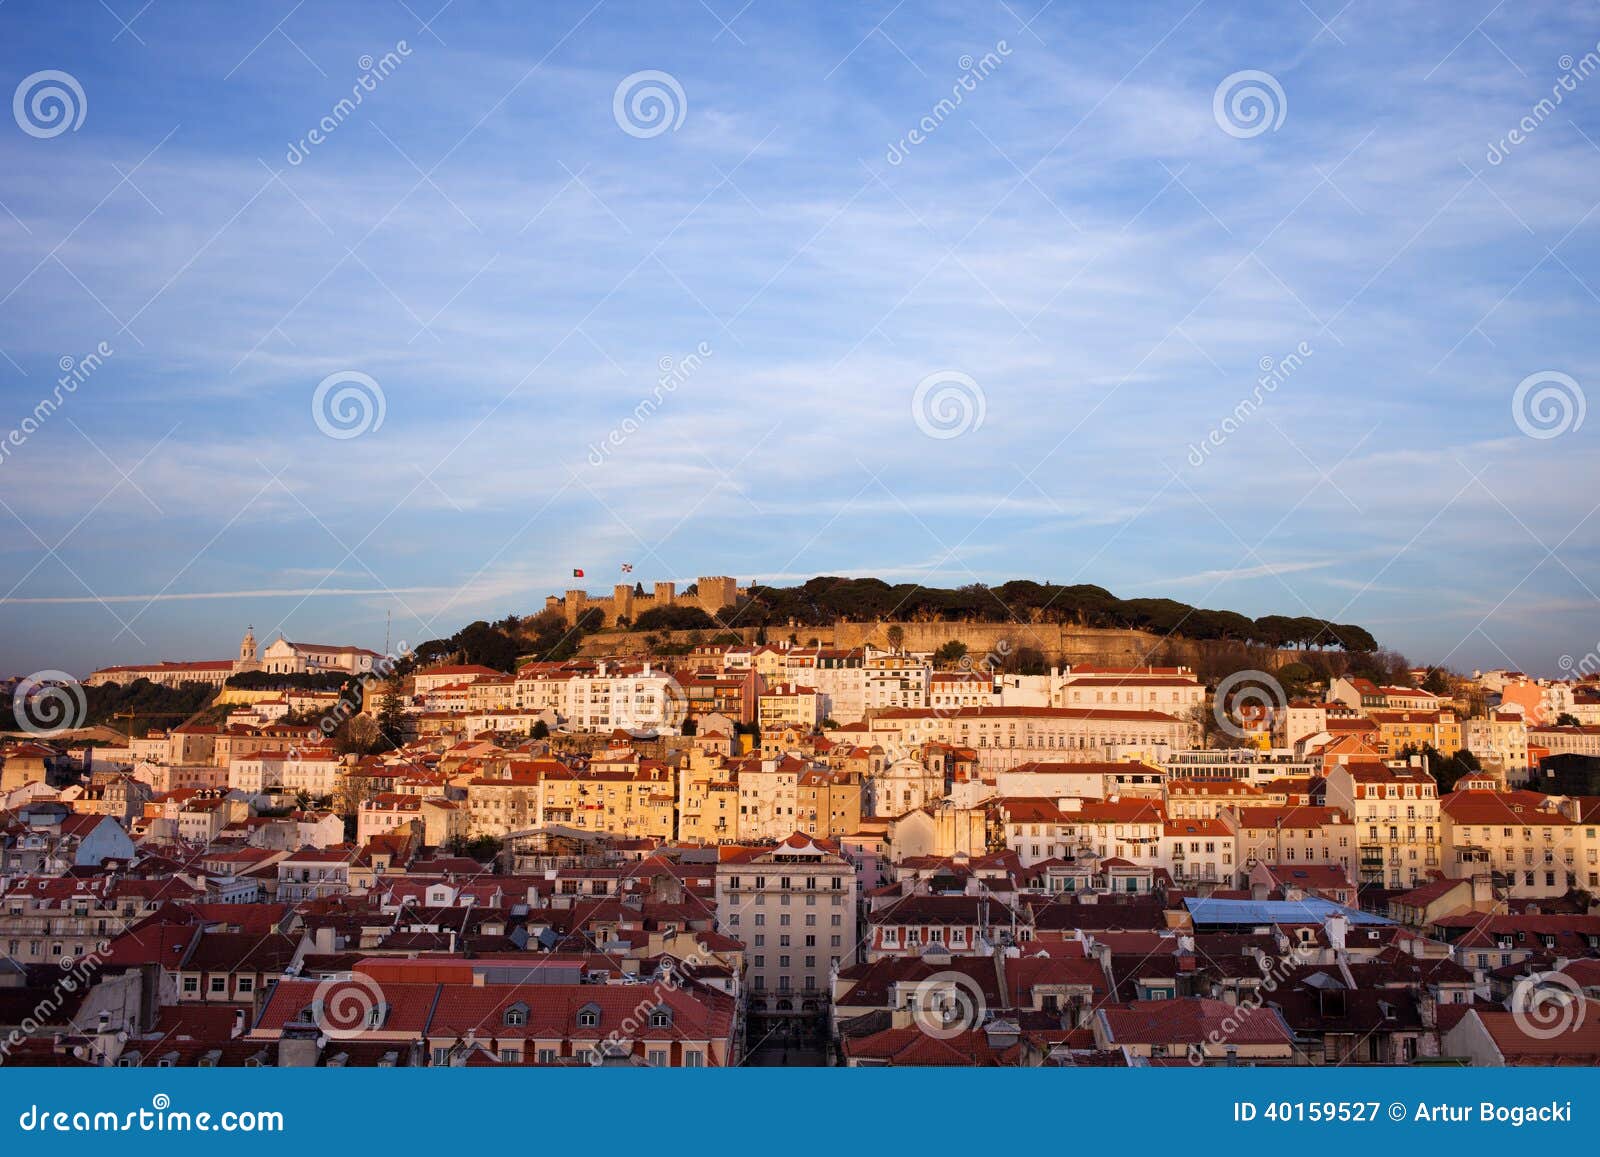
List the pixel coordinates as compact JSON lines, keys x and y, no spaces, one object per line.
{"x":825,"y":601}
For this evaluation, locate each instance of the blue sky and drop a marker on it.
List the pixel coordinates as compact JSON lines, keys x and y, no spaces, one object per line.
{"x":1081,"y":238}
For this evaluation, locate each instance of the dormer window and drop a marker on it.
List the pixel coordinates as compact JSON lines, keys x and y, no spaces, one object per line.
{"x":516,"y":1016}
{"x":661,"y":1018}
{"x":589,"y":1016}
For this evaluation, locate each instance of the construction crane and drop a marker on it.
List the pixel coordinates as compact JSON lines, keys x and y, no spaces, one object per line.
{"x":130,"y":716}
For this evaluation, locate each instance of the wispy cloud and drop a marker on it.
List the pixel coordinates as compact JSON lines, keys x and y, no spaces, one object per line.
{"x":1265,"y":570}
{"x":1080,"y":238}
{"x":189,"y":596}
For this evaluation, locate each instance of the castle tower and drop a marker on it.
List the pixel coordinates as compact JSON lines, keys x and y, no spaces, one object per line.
{"x":576,"y":603}
{"x":621,"y":602}
{"x":716,"y":592}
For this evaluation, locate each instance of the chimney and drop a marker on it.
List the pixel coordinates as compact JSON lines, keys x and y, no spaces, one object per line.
{"x":299,"y":1047}
{"x":1482,"y":889}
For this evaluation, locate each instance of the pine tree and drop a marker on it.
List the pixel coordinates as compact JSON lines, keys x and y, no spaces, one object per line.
{"x":391,"y":718}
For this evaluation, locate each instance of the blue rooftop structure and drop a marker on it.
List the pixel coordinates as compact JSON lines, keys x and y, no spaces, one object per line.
{"x":1312,"y":908}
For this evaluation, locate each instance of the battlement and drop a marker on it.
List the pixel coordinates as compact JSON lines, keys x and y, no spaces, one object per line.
{"x":711,"y":594}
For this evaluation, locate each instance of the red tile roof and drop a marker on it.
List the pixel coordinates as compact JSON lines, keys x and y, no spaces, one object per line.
{"x":1192,"y":1021}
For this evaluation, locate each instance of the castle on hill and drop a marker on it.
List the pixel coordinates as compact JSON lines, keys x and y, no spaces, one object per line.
{"x":711,"y":594}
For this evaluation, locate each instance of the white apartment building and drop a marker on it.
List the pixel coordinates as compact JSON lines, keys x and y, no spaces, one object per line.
{"x":1199,"y":851}
{"x":789,"y":705}
{"x":1396,"y":816}
{"x":1534,"y":846}
{"x":768,"y":797}
{"x":794,"y":907}
{"x":1170,"y":690}
{"x":838,"y":676}
{"x":449,"y":674}
{"x":901,"y":786}
{"x":1250,"y":765}
{"x":897,"y":681}
{"x":257,"y":773}
{"x":1004,"y":737}
{"x":1075,"y":828}
{"x":313,"y":771}
{"x":627,"y":696}
{"x":953,"y":690}
{"x":1089,"y":780}
{"x":1499,"y":740}
{"x":1567,"y":740}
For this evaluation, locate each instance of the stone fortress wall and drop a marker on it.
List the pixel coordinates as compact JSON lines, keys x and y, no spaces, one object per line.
{"x":1060,"y":644}
{"x":712,"y":593}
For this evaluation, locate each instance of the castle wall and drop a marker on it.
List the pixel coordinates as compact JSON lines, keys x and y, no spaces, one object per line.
{"x":712,"y":593}
{"x":1061,"y":645}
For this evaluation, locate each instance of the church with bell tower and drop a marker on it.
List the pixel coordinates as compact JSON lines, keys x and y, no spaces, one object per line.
{"x":247,"y":660}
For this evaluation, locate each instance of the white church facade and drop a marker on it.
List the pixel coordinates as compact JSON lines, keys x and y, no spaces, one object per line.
{"x":280,"y":657}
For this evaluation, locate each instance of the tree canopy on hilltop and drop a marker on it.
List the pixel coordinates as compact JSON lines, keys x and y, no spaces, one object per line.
{"x":827,"y":599}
